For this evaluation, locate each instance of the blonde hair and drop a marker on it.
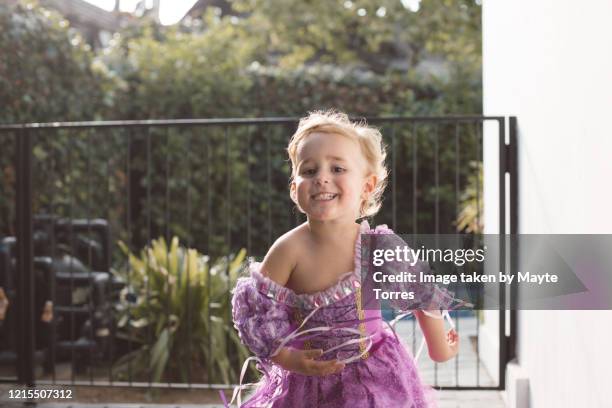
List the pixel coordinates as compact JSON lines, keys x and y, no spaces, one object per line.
{"x":370,"y":142}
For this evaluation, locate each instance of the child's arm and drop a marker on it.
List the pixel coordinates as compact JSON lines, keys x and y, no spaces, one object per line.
{"x":303,"y":362}
{"x":263,"y":322}
{"x":441,"y":346}
{"x":280,"y":261}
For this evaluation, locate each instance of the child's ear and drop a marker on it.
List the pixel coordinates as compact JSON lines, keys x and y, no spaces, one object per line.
{"x":370,"y":185}
{"x":293,"y":192}
{"x":293,"y":195}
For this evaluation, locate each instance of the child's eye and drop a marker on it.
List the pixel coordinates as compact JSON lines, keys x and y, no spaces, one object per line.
{"x":338,"y":169}
{"x":309,"y":172}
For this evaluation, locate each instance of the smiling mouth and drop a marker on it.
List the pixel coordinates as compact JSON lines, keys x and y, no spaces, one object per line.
{"x":324,"y":196}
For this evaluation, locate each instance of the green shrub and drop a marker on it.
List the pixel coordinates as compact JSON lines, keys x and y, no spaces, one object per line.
{"x":176,"y":309}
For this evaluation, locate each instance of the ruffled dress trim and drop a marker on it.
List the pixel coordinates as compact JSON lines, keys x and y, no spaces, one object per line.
{"x":347,"y":284}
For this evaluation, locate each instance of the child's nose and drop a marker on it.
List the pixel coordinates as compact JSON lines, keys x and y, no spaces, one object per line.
{"x":322,"y":179}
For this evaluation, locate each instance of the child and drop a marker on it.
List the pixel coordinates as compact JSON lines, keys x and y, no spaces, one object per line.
{"x":300,"y":312}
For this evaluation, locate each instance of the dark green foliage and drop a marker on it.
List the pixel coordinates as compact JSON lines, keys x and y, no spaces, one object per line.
{"x":176,"y":310}
{"x":280,"y":59}
{"x":46,"y":71}
{"x":46,"y":74}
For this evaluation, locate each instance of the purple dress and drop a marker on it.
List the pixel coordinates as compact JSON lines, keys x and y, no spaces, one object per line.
{"x":385,"y":375}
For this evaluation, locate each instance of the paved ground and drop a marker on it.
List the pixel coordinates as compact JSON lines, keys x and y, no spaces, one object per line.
{"x":447,"y":399}
{"x":470,"y":399}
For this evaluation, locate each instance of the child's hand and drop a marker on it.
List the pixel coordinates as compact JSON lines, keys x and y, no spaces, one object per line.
{"x":303,"y":362}
{"x":452,"y":338}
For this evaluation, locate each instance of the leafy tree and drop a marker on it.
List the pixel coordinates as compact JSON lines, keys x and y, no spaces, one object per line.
{"x":46,"y":74}
{"x":324,"y":52}
{"x":172,"y":74}
{"x":46,"y":71}
{"x":275,"y":59}
{"x":380,"y":35}
{"x":368,"y":58}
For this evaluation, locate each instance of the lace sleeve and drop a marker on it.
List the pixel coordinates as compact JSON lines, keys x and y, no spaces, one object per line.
{"x":260,"y":320}
{"x":427,"y":296}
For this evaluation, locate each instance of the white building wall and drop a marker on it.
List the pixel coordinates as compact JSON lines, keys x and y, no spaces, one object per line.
{"x":549,"y":62}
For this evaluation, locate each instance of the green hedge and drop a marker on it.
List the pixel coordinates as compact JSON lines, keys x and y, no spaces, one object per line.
{"x":266,"y":63}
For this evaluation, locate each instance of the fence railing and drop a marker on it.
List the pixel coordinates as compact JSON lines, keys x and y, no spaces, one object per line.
{"x":79,"y":313}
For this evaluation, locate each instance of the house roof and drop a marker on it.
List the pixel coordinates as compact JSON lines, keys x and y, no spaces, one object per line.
{"x":198,"y":8}
{"x":84,"y":13}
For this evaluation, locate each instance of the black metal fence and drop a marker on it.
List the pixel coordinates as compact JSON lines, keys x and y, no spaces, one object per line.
{"x":80,"y":313}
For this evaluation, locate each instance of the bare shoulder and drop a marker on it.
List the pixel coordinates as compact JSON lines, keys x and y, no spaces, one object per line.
{"x":282,"y":256}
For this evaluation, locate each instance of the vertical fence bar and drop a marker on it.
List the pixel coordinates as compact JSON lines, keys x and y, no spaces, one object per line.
{"x":109,"y":199}
{"x":228,"y":165}
{"x":25,"y":255}
{"x":415,"y":166}
{"x":502,"y":252}
{"x":437,"y":179}
{"x":436,"y":207}
{"x":188,"y":264}
{"x":415,"y":170}
{"x":149,"y":237}
{"x":457,"y":212}
{"x":209,"y":220}
{"x":92,"y":300}
{"x":168,"y":242}
{"x":71,"y":194}
{"x":269,"y":187}
{"x":248,"y":189}
{"x":394,"y":178}
{"x":513,"y":168}
{"x":167,"y":191}
{"x":54,"y":320}
{"x":478,"y":160}
{"x":129,"y":245}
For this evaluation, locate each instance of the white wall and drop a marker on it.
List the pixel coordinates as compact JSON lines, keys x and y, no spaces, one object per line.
{"x":549,"y":62}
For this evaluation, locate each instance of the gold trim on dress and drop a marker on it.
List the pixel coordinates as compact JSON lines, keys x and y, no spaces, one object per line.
{"x":299,"y":319}
{"x":362,"y":328}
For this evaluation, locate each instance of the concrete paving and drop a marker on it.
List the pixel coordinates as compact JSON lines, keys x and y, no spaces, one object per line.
{"x":446,"y":399}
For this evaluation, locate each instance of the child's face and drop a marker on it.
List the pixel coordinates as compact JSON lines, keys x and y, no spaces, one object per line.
{"x":330,"y":181}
